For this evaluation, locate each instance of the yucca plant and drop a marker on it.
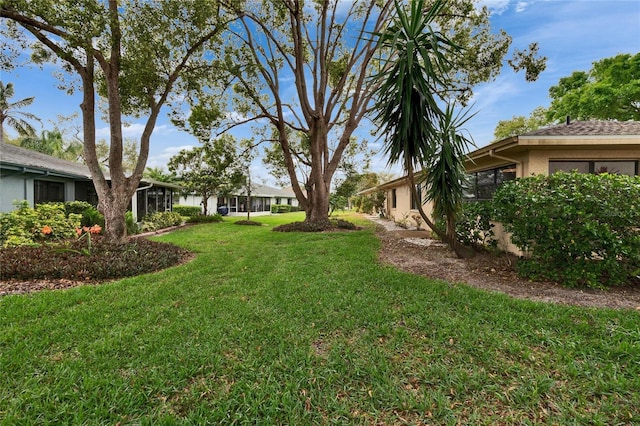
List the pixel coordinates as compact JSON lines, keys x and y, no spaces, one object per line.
{"x":419,"y":133}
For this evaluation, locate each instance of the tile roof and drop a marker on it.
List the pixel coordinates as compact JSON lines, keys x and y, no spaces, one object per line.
{"x":590,"y":128}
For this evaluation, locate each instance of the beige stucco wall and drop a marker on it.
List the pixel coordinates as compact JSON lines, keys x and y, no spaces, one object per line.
{"x":538,"y":161}
{"x":532,"y":155}
{"x":403,"y":211}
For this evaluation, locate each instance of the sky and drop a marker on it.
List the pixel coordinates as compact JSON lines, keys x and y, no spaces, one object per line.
{"x":572,"y":34}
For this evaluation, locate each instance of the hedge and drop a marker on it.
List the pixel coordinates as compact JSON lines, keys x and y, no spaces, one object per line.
{"x":577,"y":229}
{"x":187,"y":211}
{"x":283,"y":208}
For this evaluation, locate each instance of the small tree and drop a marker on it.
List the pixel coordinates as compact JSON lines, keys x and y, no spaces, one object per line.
{"x":408,"y":109}
{"x":210,"y":169}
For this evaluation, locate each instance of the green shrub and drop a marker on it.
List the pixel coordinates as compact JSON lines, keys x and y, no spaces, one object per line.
{"x":578,"y":229}
{"x":77,"y":207}
{"x":200,"y":218}
{"x":71,"y":260}
{"x":249,"y":223}
{"x":315,"y":226}
{"x":280,"y":208}
{"x":473,"y":227}
{"x":90,"y":215}
{"x":160,"y":220}
{"x":132,"y":225}
{"x":187,"y":211}
{"x":28,"y":226}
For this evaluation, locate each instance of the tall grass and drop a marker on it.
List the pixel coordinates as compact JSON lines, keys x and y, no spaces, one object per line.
{"x":292,"y":328}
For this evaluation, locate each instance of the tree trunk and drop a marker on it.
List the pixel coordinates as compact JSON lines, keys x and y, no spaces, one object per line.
{"x":318,"y":210}
{"x":448,"y":237}
{"x":114,"y":206}
{"x":205,"y":202}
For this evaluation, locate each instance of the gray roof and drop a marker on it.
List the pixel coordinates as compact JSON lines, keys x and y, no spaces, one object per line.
{"x":259,"y":190}
{"x":590,"y":128}
{"x":18,"y":158}
{"x":11,"y":155}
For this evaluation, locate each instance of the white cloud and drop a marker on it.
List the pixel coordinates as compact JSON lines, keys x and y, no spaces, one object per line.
{"x":521,"y":6}
{"x":161,"y":159}
{"x":495,"y":6}
{"x":134,"y":131}
{"x":235,"y":116}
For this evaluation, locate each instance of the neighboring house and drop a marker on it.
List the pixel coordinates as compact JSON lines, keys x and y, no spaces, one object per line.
{"x":262,"y":198}
{"x":40,"y":178}
{"x":586,"y":146}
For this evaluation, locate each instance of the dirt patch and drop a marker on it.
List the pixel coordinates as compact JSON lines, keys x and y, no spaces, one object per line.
{"x":411,"y":251}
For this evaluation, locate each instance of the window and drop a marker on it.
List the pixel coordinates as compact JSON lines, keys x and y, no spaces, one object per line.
{"x":47,"y":192}
{"x":482,"y":185}
{"x":394,"y":199}
{"x":621,"y":167}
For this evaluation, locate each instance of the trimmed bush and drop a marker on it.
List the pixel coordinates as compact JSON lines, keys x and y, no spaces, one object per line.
{"x":187,"y":211}
{"x":280,"y":208}
{"x":160,"y":220}
{"x":578,"y":229}
{"x":90,"y":215}
{"x":200,"y":218}
{"x":473,"y":227}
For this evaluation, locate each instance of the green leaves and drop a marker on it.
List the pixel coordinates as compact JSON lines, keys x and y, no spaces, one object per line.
{"x":408,"y":105}
{"x":609,"y":91}
{"x":579,"y":229}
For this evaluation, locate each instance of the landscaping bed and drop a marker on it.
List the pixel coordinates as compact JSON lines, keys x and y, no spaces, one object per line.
{"x":492,"y":272}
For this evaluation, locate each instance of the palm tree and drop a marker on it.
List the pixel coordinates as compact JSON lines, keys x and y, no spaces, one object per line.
{"x":49,"y":142}
{"x":14,"y":118}
{"x":418,"y":133}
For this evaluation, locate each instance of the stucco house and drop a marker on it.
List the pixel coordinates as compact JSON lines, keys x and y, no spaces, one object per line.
{"x":586,"y":146}
{"x":39,"y":178}
{"x":262,"y":198}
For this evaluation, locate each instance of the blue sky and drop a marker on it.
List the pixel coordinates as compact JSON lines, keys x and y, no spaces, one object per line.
{"x":571,"y":34}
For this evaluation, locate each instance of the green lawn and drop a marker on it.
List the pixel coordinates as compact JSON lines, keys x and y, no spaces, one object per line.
{"x":290,"y":328}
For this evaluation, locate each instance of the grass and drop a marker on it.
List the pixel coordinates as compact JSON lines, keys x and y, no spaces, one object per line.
{"x":296,"y":328}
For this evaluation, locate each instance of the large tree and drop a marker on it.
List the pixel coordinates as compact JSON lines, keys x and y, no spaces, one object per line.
{"x":11,"y":115}
{"x":326,"y":51}
{"x":609,"y":91}
{"x":134,"y":54}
